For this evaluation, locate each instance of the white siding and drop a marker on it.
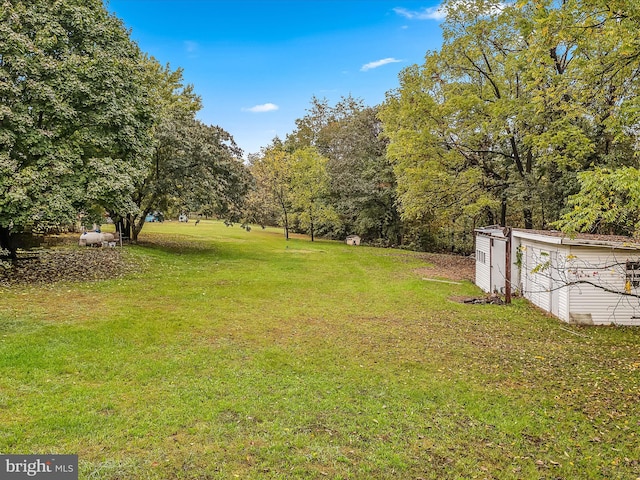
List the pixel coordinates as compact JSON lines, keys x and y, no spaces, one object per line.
{"x":498,"y":265}
{"x":483,"y":257}
{"x":569,"y":281}
{"x":563,"y":307}
{"x":536,"y":276}
{"x":606,"y":269}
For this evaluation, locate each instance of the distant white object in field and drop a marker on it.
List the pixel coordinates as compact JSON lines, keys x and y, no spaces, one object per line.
{"x":353,"y":240}
{"x":96,"y":238}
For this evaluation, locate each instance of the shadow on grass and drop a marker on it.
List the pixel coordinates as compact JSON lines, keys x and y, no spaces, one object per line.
{"x":200,"y":248}
{"x":179,"y":247}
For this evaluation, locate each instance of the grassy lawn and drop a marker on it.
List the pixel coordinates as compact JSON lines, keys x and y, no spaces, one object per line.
{"x":235,"y":354}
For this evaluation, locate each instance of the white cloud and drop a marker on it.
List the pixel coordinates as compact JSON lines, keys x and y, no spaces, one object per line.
{"x":378,"y":63}
{"x":265,"y":107}
{"x":439,"y":12}
{"x":431,"y":13}
{"x":190,"y":47}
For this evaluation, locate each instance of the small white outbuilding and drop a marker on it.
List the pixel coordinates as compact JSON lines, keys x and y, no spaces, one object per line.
{"x":584,"y":279}
{"x":353,"y":240}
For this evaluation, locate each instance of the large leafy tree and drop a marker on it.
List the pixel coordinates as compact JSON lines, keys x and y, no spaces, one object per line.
{"x":456,"y":136}
{"x":469,"y":134}
{"x":192,"y":165}
{"x":438,"y":180}
{"x":272,"y":173}
{"x":361,"y":182}
{"x":521,"y":98}
{"x":607,"y":87}
{"x":584,"y":91}
{"x":175,"y":105}
{"x":309,"y":190}
{"x":260,"y":206}
{"x":214,"y":177}
{"x":608,"y":202}
{"x":75,"y":123}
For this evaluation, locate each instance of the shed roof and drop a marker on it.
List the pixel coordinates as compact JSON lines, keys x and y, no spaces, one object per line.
{"x":580,"y":239}
{"x":492,"y":231}
{"x":561,"y":238}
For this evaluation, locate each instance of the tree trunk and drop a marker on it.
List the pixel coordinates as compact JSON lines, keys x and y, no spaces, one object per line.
{"x":136,"y":228}
{"x":123,"y":227}
{"x":311,"y":227}
{"x":524,"y":171}
{"x":503,"y":210}
{"x":286,"y":224}
{"x":6,"y":244}
{"x":528,"y":212}
{"x":528,"y":215}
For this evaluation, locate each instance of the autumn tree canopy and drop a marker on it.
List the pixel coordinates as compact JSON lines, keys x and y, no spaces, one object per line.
{"x":518,"y":113}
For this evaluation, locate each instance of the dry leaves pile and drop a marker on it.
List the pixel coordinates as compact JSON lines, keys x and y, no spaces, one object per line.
{"x":71,"y":263}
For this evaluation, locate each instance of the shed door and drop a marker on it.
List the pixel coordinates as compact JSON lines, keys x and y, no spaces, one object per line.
{"x":498,"y":264}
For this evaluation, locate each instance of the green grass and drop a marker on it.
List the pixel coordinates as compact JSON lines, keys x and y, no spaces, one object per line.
{"x":235,"y":354}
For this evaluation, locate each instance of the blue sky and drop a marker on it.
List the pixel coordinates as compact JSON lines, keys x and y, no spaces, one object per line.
{"x":257,"y":63}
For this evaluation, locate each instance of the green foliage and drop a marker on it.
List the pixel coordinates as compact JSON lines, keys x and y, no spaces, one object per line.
{"x":521,"y":98}
{"x":193,"y":165}
{"x":437,"y":181}
{"x":272,"y":173}
{"x":608,"y":202}
{"x":309,"y":189}
{"x":361,"y":182}
{"x":87,"y":122}
{"x":75,"y":124}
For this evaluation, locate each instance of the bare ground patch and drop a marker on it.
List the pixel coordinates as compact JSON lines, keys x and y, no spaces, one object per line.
{"x":450,"y":267}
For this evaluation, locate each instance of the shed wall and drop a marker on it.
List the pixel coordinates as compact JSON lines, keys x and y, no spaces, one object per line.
{"x":498,"y":264}
{"x":483,"y":258}
{"x":554,"y":277}
{"x":605,"y":268}
{"x":536,"y":280}
{"x":564,"y":303}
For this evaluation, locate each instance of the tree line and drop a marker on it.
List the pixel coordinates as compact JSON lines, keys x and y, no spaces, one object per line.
{"x":528,"y":115}
{"x":329,"y":177}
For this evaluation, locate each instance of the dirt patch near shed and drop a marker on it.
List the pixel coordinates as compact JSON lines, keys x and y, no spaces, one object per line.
{"x":450,"y":267}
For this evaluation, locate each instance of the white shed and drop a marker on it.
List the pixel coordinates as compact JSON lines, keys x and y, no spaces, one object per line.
{"x":353,"y":240}
{"x":587,"y":279}
{"x":491,"y":249}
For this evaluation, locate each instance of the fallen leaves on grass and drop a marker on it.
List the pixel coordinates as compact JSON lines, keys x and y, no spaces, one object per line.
{"x":67,"y":264}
